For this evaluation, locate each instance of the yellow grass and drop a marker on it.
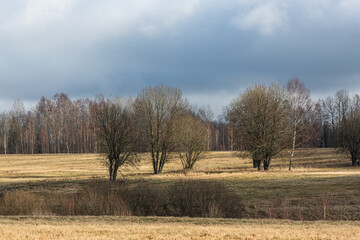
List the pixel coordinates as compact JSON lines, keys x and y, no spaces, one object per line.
{"x":316,"y":173}
{"x":17,"y":168}
{"x":171,"y":228}
{"x":20,"y":168}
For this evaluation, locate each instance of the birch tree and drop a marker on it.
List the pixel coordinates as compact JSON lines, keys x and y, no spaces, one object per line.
{"x":301,"y":108}
{"x":4,"y":128}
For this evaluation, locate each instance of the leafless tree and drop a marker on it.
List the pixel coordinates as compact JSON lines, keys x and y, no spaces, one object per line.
{"x":17,"y":124}
{"x":260,"y":115}
{"x":342,"y":102}
{"x":335,"y":109}
{"x":191,"y":140}
{"x":349,"y":129}
{"x":113,"y":124}
{"x":329,"y":125}
{"x":301,"y":111}
{"x":206,"y":115}
{"x":4,"y":128}
{"x":157,"y":110}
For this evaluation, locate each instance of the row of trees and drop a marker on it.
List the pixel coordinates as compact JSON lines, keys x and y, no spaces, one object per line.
{"x":273,"y":118}
{"x":341,"y":126}
{"x":61,"y":125}
{"x":264,"y":120}
{"x":55,"y":125}
{"x":159,"y":120}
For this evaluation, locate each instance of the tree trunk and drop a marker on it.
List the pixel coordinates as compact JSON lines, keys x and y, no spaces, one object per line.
{"x":255,"y":163}
{"x":111,"y":172}
{"x":116,"y":167}
{"x":267,"y":162}
{"x":353,"y":159}
{"x":5,"y":142}
{"x":266,"y":165}
{"x":161,"y":165}
{"x":292,"y":150}
{"x":155,"y":159}
{"x":114,"y":175}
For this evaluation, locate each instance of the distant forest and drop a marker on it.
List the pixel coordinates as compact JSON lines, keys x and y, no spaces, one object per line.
{"x":61,"y":125}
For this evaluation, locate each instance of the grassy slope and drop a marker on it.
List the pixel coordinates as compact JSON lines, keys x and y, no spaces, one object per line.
{"x":319,"y":176}
{"x":316,"y":172}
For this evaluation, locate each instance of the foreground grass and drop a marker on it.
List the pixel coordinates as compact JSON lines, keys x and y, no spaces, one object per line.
{"x":317,"y":173}
{"x":171,"y":228}
{"x":322,"y":182}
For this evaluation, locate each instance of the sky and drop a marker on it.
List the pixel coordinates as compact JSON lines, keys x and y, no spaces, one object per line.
{"x":211,"y":49}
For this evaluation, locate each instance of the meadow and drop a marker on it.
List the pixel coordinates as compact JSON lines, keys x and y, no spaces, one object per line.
{"x":319,"y":199}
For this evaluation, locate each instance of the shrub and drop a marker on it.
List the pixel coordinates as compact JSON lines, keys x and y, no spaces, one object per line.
{"x":181,"y":198}
{"x":22,"y":203}
{"x":190,"y":198}
{"x":96,"y":198}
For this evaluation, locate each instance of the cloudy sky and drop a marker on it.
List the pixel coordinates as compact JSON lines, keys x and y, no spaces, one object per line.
{"x":211,"y":49}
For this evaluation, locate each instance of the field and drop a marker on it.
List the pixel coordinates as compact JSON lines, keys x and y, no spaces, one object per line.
{"x":171,"y":228}
{"x":321,"y":187}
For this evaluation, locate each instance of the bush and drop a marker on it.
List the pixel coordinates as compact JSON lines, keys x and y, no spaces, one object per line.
{"x":22,"y":203}
{"x":204,"y":199}
{"x":96,"y":198}
{"x":181,"y":198}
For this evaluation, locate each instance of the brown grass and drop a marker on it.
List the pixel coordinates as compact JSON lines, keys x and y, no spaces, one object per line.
{"x":171,"y":228}
{"x":20,"y":168}
{"x":322,"y":185}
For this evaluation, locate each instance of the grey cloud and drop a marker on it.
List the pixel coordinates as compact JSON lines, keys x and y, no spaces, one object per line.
{"x":210,"y":49}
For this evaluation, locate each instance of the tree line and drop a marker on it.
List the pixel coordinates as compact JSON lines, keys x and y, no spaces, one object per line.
{"x":61,"y":125}
{"x":264,"y":121}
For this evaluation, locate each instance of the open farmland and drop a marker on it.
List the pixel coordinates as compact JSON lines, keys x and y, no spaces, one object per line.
{"x":172,"y":228}
{"x":321,"y":186}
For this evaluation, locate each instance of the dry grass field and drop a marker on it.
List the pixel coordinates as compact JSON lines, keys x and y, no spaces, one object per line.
{"x":172,"y":228}
{"x":321,"y":186}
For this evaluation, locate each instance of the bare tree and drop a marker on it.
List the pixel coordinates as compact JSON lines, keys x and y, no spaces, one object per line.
{"x":4,"y":128}
{"x":17,"y":123}
{"x":113,"y":124}
{"x":342,"y":102}
{"x":335,"y":109}
{"x":206,"y":115}
{"x":301,"y":109}
{"x":329,"y":116}
{"x":349,"y":129}
{"x":157,"y":109}
{"x":191,"y":140}
{"x":260,"y":115}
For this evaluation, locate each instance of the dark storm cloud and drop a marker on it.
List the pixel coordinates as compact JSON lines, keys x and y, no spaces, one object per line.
{"x":210,"y":49}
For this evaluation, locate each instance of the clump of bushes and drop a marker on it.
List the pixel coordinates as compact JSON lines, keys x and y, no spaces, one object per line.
{"x":185,"y":198}
{"x":192,"y":198}
{"x":96,"y":198}
{"x":181,"y":198}
{"x":22,"y":203}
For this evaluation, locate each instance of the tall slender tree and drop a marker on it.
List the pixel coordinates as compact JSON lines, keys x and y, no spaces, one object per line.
{"x":301,"y":109}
